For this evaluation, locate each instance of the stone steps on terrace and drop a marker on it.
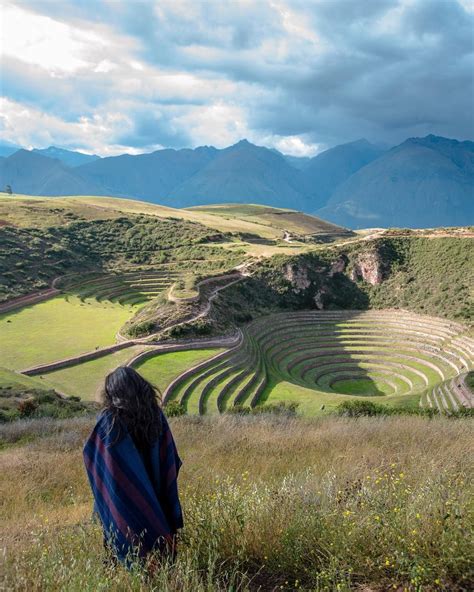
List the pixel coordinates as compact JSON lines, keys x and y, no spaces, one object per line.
{"x":447,"y":327}
{"x":327,"y":373}
{"x":179,"y":381}
{"x":402,"y":351}
{"x":382,"y":356}
{"x":239,"y":363}
{"x":314,"y":366}
{"x":351,"y":376}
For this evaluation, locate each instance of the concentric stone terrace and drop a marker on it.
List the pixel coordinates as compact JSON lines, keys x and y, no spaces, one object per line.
{"x":352,"y":353}
{"x":124,"y":287}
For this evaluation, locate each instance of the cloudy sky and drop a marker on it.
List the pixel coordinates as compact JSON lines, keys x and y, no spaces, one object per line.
{"x":112,"y":76}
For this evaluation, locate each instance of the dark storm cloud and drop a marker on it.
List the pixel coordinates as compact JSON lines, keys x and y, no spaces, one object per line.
{"x":328,"y":71}
{"x":154,"y":128}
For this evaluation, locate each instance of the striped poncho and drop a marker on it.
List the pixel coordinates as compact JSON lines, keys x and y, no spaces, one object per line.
{"x":139,"y":509}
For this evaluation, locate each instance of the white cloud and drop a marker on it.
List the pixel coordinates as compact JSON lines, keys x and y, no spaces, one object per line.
{"x":40,"y":40}
{"x":218,"y":124}
{"x":289,"y":74}
{"x":295,"y":146}
{"x":32,"y":128}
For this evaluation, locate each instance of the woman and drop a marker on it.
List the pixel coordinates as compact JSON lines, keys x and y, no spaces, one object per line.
{"x":132,"y":464}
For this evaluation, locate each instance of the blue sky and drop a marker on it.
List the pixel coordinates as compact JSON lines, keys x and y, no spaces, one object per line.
{"x":112,"y":76}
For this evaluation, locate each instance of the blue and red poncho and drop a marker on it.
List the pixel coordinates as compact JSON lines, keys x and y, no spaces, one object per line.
{"x":136,"y":498}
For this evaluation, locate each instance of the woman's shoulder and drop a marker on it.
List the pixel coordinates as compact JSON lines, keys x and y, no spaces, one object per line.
{"x":105,"y":423}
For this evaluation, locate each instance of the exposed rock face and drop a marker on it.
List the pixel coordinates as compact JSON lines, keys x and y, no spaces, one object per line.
{"x":338,"y":266}
{"x":318,"y":298}
{"x":298,"y":276}
{"x":368,"y":267}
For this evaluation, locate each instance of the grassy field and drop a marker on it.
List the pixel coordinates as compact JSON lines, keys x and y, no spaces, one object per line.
{"x":9,"y":378}
{"x":57,"y":329}
{"x":312,"y":403}
{"x":162,"y":369}
{"x":276,"y":218}
{"x":261,"y":221}
{"x":270,"y":504}
{"x":84,"y":380}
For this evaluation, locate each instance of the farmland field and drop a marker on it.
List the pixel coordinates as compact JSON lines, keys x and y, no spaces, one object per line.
{"x":57,"y":329}
{"x":85,"y":379}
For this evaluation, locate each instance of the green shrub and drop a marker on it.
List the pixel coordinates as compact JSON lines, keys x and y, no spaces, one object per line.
{"x":362,"y":408}
{"x":239,"y":410}
{"x":141,"y":329}
{"x":174,"y":409}
{"x":279,"y":408}
{"x":7,"y":415}
{"x":27,"y":407}
{"x":470,"y":381}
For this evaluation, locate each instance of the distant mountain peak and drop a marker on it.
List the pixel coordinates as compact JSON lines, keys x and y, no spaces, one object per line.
{"x":70,"y":158}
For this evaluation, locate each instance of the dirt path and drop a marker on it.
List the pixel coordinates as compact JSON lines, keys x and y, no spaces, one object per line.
{"x":235,"y":277}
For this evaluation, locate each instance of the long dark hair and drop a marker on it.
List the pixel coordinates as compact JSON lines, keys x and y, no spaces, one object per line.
{"x":133,"y":403}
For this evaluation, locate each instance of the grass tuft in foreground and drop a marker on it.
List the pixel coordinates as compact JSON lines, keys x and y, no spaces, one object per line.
{"x":271,"y":503}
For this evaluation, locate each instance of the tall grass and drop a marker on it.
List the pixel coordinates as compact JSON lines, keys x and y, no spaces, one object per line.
{"x":270,"y":504}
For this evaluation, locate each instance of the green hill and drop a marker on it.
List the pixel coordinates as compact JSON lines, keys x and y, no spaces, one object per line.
{"x":428,"y":275}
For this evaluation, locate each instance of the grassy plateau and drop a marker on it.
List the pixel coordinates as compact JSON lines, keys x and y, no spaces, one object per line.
{"x":57,"y":329}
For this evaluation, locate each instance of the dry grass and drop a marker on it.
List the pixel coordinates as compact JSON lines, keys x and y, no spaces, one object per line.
{"x":270,"y":504}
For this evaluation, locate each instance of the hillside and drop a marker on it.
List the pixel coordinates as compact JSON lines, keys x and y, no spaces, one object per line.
{"x":30,"y":258}
{"x":241,"y":173}
{"x":70,"y":158}
{"x":289,"y":221}
{"x":252,"y":220}
{"x":102,"y":234}
{"x":426,"y":275}
{"x":32,"y":173}
{"x":326,"y":171}
{"x":423,"y":182}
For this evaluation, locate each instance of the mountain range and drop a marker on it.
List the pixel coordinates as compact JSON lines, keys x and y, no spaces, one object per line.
{"x":422,"y":182}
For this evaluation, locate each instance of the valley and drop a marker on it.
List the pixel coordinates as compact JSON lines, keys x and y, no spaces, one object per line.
{"x":237,"y":296}
{"x":234,"y":307}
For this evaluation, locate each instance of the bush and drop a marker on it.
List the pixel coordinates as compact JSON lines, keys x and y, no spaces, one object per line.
{"x":279,"y":408}
{"x":470,"y":381}
{"x":198,"y":328}
{"x":362,"y":408}
{"x":27,"y":407}
{"x":174,"y":409}
{"x":369,"y":409}
{"x":141,"y":329}
{"x":239,"y":410}
{"x":7,"y":415}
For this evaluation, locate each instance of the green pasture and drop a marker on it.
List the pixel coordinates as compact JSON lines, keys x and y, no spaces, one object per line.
{"x":84,"y":380}
{"x":163,"y":368}
{"x":11,"y":379}
{"x":314,"y":402}
{"x":58,"y":328}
